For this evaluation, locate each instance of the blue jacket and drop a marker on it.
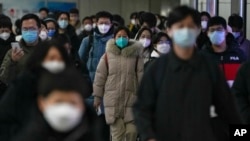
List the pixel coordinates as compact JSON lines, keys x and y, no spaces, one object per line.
{"x":96,"y":52}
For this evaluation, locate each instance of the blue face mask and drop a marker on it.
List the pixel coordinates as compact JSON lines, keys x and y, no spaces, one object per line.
{"x":51,"y":33}
{"x":185,"y":37}
{"x":30,"y":36}
{"x":63,"y":24}
{"x":236,"y":34}
{"x":217,"y":37}
{"x":121,"y":42}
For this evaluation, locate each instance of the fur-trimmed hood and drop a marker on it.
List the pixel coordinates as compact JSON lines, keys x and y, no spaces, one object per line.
{"x":133,"y":49}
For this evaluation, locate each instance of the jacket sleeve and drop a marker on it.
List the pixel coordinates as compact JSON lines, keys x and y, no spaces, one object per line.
{"x":8,"y":68}
{"x":140,"y":69}
{"x":100,"y":78}
{"x":224,"y":100}
{"x":83,"y":49}
{"x":241,"y":92}
{"x":145,"y":105}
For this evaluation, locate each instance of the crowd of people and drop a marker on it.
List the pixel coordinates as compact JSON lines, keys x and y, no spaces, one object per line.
{"x":183,"y":77}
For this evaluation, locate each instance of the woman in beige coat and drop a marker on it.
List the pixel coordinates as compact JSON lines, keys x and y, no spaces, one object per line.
{"x":116,"y":81}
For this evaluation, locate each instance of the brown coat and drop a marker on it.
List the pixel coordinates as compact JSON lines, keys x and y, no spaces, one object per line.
{"x":117,"y":78}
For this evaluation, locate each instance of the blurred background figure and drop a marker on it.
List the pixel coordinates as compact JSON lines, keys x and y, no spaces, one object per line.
{"x":236,"y":23}
{"x":75,"y":20}
{"x":93,"y":17}
{"x":86,"y":28}
{"x":62,"y":113}
{"x":43,"y":13}
{"x":159,"y":22}
{"x":117,"y":78}
{"x":203,"y":39}
{"x":52,"y":27}
{"x":149,"y":20}
{"x":44,"y":32}
{"x":65,"y":28}
{"x":118,"y":21}
{"x":17,"y":30}
{"x":134,"y":24}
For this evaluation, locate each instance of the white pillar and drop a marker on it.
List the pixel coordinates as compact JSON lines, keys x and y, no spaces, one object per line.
{"x":212,"y":7}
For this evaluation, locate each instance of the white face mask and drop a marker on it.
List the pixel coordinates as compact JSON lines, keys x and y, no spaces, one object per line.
{"x":43,"y":35}
{"x":88,"y":27}
{"x":63,"y":117}
{"x":94,"y":25}
{"x":5,"y":36}
{"x":133,"y":22}
{"x":54,"y":66}
{"x":204,"y":24}
{"x":103,"y":28}
{"x":163,"y":48}
{"x":145,"y":42}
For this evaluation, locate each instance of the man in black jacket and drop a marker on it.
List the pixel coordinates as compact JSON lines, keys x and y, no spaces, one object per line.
{"x":178,"y":89}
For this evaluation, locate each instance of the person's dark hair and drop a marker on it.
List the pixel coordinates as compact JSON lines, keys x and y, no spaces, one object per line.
{"x":93,"y":17}
{"x":5,"y":22}
{"x":35,"y":60}
{"x":44,"y":9}
{"x":118,"y":20}
{"x":217,"y":20}
{"x":63,"y":38}
{"x":87,"y":18}
{"x":148,"y":18}
{"x":141,"y":30}
{"x":182,"y":12}
{"x":104,"y":14}
{"x":122,"y":28}
{"x":31,"y":16}
{"x":61,"y":13}
{"x":134,"y":14}
{"x":18,"y":26}
{"x":205,"y":14}
{"x":43,"y":23}
{"x":47,"y":20}
{"x":158,"y":37}
{"x":74,"y":11}
{"x":67,"y":80}
{"x":236,"y":21}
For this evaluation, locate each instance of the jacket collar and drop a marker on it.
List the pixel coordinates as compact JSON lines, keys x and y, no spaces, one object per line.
{"x":177,"y":64}
{"x":132,"y":50}
{"x":155,"y":54}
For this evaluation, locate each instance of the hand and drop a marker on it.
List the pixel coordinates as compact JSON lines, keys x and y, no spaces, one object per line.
{"x":16,"y":54}
{"x":97,"y":102}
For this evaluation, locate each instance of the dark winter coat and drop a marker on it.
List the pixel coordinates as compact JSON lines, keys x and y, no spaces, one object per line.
{"x":173,"y":104}
{"x":39,"y":130}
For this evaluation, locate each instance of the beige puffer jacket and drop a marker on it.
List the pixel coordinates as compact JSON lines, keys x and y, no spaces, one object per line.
{"x":117,"y":78}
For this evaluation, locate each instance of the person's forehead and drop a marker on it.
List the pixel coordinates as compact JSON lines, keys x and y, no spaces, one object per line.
{"x":104,"y":19}
{"x":216,"y":26}
{"x":29,"y":22}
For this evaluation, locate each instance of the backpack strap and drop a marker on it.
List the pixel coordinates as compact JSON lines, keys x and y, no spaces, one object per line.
{"x":90,"y":45}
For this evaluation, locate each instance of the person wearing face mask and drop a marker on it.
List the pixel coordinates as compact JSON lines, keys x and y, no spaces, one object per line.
{"x":117,"y":21}
{"x":159,"y":22}
{"x":144,"y":36}
{"x":43,"y":33}
{"x":92,"y":49}
{"x":65,"y":28}
{"x":134,"y":25}
{"x":21,"y":95}
{"x":52,"y":27}
{"x":74,"y":20}
{"x":162,"y":45}
{"x":43,"y":13}
{"x":6,"y":37}
{"x":236,"y":23}
{"x":203,"y":39}
{"x":117,"y":77}
{"x":15,"y":59}
{"x":62,"y":113}
{"x":86,"y":28}
{"x":149,"y":20}
{"x":228,"y":56}
{"x":172,"y":102}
